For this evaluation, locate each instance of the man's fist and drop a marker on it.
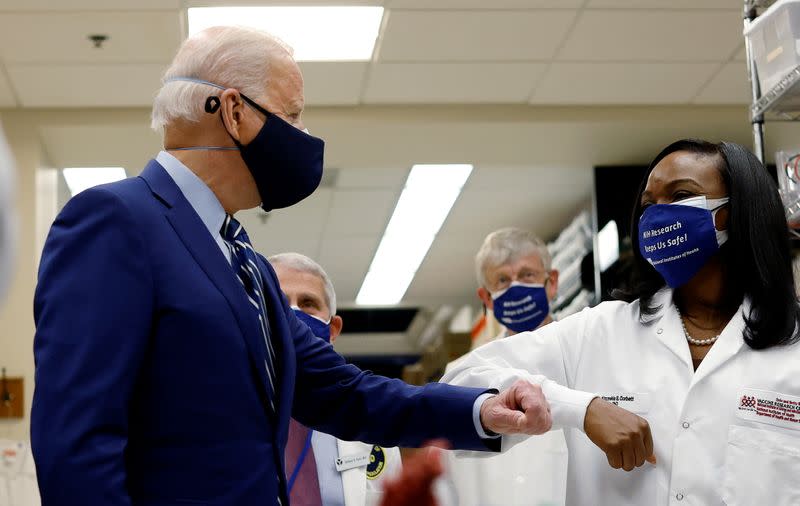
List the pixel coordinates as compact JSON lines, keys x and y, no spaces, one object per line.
{"x":522,"y":409}
{"x":624,"y":437}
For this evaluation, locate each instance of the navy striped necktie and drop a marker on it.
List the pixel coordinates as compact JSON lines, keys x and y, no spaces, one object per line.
{"x":245,"y":264}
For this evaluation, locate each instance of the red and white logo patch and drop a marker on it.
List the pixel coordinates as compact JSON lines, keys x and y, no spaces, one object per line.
{"x":772,"y":408}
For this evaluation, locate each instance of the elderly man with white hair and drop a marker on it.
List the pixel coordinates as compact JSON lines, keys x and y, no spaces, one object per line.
{"x":517,"y":284}
{"x":168,"y":363}
{"x":312,"y":457}
{"x":514,"y":265}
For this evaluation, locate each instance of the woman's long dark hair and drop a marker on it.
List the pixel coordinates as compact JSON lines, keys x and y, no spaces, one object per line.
{"x":757,"y":253}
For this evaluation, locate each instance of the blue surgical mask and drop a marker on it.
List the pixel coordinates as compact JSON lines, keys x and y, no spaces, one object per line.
{"x":285,"y":162}
{"x":521,"y":306}
{"x":678,"y":239}
{"x":318,"y":326}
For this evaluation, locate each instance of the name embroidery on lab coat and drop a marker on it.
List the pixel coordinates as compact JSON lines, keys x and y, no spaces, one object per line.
{"x":633,"y":402}
{"x":767,"y":407}
{"x":377,"y":462}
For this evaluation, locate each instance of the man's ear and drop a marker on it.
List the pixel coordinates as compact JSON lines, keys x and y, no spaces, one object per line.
{"x":231,"y":109}
{"x":552,"y":285}
{"x":486,"y":298}
{"x":336,"y":327}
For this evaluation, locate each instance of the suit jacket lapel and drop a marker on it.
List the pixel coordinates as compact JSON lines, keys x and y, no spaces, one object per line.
{"x":194,"y":235}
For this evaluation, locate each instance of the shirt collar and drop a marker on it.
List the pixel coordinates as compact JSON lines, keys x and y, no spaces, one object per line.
{"x":199,"y":195}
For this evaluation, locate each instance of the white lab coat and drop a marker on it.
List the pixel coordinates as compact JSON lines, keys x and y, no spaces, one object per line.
{"x":17,"y":475}
{"x":359,"y":488}
{"x":728,"y":433}
{"x":531,"y":473}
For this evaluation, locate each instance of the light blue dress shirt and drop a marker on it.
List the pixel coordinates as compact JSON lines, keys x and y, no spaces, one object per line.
{"x":200,"y":197}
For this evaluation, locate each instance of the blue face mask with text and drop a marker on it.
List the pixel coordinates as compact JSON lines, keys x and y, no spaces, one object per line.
{"x":678,"y":239}
{"x":319,"y":327}
{"x":521,"y":307}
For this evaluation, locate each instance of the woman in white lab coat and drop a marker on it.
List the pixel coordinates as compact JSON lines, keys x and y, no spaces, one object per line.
{"x":704,"y":350}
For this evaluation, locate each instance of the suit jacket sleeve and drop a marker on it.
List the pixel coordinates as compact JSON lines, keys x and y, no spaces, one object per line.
{"x":340,"y":399}
{"x":93,"y":309}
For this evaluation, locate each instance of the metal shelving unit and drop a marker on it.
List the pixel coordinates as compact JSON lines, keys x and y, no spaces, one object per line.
{"x":780,"y":103}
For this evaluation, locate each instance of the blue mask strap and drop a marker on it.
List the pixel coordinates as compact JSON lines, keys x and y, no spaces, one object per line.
{"x":193,"y":80}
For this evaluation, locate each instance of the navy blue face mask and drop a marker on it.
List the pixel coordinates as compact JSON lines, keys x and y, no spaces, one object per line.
{"x":521,"y":307}
{"x":678,"y":239}
{"x":285,"y":162}
{"x":319,"y":328}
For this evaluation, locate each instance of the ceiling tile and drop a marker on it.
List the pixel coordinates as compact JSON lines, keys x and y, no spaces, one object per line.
{"x":62,"y":37}
{"x":101,"y":145}
{"x":729,"y":86}
{"x":346,"y":261}
{"x":654,"y":36}
{"x":305,"y":219}
{"x":415,"y":36}
{"x":483,"y":4}
{"x":621,"y":83}
{"x":372,"y":178}
{"x":87,"y":5}
{"x":524,"y":178}
{"x":6,"y":92}
{"x":260,"y":3}
{"x":424,"y":83}
{"x":332,"y":83}
{"x":359,"y":212}
{"x":665,"y":4}
{"x":446,"y":272}
{"x":86,"y":85}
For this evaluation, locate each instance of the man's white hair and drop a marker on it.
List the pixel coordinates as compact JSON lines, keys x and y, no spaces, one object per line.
{"x":302,"y":263}
{"x":231,"y":56}
{"x":505,"y":246}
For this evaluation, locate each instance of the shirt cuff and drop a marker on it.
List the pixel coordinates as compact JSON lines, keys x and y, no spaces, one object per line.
{"x":567,"y":406}
{"x":476,"y":416}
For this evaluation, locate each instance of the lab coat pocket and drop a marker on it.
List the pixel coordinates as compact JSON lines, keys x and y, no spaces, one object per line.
{"x":761,"y":467}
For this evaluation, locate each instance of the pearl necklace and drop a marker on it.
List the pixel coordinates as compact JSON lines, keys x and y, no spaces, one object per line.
{"x":696,"y":342}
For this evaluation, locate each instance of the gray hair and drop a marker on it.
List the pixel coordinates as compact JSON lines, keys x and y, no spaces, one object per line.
{"x":302,"y":263}
{"x":507,"y":245}
{"x":231,"y":56}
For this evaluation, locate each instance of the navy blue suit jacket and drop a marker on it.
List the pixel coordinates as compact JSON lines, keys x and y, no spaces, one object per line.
{"x":150,"y":376}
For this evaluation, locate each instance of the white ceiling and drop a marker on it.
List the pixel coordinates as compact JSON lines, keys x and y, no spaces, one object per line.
{"x":428,"y":52}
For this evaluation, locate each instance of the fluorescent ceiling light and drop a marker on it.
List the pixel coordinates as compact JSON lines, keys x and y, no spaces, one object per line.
{"x":316,"y":33}
{"x":81,"y":178}
{"x":608,"y":245}
{"x":429,"y":194}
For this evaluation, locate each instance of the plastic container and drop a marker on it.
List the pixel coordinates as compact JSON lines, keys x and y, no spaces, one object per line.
{"x":775,"y":41}
{"x":788,"y":165}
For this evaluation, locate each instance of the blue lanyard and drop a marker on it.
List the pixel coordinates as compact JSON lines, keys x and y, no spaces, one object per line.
{"x":300,"y":460}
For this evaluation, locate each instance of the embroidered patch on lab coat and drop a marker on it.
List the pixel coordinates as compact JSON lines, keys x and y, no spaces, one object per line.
{"x":771,"y":408}
{"x":377,"y":463}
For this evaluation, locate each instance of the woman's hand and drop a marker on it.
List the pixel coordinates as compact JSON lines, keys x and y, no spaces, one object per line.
{"x":624,"y":437}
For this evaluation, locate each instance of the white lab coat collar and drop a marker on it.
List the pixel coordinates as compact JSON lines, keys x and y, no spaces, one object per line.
{"x":354,"y":481}
{"x":667,"y":325}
